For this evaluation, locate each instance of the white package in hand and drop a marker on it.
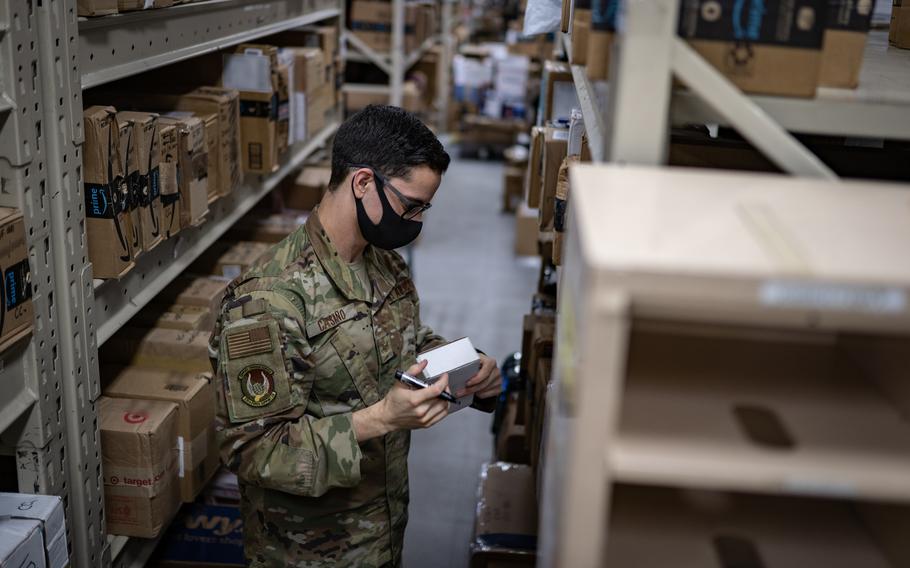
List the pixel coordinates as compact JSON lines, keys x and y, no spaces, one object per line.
{"x":460,"y":360}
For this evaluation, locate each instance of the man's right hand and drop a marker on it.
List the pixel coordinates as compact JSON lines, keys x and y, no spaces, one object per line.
{"x":410,"y":409}
{"x":403,"y":408}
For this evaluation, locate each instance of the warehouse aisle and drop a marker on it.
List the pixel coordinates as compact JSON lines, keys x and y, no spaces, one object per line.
{"x":470,"y":283}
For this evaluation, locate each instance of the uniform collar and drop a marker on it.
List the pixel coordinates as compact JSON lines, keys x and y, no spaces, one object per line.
{"x":341,"y":273}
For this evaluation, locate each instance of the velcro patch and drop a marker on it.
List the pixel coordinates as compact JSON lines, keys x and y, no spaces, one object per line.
{"x":249,"y":341}
{"x":257,"y":380}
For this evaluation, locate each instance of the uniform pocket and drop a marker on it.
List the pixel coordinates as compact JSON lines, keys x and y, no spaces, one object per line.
{"x":352,"y":362}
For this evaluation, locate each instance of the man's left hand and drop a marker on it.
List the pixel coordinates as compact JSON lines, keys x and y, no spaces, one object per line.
{"x":486,"y":383}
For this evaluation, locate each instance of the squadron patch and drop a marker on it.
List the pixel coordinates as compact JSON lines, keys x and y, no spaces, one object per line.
{"x":257,"y":385}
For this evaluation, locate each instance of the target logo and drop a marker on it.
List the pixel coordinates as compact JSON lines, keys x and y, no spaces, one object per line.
{"x":135,"y":417}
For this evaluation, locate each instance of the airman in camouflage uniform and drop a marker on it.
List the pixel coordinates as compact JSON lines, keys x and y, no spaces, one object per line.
{"x":305,"y":344}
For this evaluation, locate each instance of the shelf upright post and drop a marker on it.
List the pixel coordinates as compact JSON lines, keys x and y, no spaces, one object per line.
{"x":396,"y":77}
{"x":31,"y":425}
{"x":73,"y":291}
{"x":443,"y":67}
{"x":638,"y":109}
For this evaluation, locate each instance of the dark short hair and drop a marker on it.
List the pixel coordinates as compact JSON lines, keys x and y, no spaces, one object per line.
{"x":387,"y":138}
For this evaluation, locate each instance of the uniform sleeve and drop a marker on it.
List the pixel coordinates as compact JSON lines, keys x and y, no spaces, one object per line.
{"x":426,"y":337}
{"x":264,"y":376}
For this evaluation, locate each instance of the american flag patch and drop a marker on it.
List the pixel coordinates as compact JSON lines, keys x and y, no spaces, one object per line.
{"x":249,"y":342}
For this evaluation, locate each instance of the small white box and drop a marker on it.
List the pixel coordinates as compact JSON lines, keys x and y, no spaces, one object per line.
{"x":457,"y":358}
{"x":48,"y":510}
{"x":21,"y":543}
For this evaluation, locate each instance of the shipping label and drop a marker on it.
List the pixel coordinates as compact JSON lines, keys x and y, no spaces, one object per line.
{"x":17,"y":287}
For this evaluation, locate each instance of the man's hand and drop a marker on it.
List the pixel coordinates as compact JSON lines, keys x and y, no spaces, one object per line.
{"x":403,"y":408}
{"x":486,"y":383}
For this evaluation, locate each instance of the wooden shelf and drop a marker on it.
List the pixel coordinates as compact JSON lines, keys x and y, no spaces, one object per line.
{"x":680,"y":423}
{"x":658,"y":528}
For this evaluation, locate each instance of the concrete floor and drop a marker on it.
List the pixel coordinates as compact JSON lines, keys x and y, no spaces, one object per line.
{"x":470,"y":284}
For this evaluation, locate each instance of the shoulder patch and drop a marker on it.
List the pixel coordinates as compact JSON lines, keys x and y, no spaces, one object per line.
{"x":249,"y":341}
{"x":257,"y":381}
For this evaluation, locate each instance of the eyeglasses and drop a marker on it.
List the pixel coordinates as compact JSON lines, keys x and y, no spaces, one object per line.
{"x":412,"y":207}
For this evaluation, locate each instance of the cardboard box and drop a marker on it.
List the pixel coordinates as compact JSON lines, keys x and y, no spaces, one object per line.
{"x":844,"y":43}
{"x":139,"y":463}
{"x":271,"y":229}
{"x":176,"y":316}
{"x":225,"y":103}
{"x":360,"y":96}
{"x":309,"y":69}
{"x":581,"y":28}
{"x":107,"y":222}
{"x":197,"y":453}
{"x":192,"y":170}
{"x":170,"y":186}
{"x":142,"y":160}
{"x":371,"y":21}
{"x":775,"y":51}
{"x":21,"y":543}
{"x":526,"y":228}
{"x":555,"y":147}
{"x":559,"y":96}
{"x":96,"y":7}
{"x":131,"y":5}
{"x":600,"y":38}
{"x":133,"y":201}
{"x":283,"y":124}
{"x":258,"y":107}
{"x":230,"y":260}
{"x":512,"y":187}
{"x":505,"y":529}
{"x":202,"y":101}
{"x":899,"y":32}
{"x":307,"y":188}
{"x":16,"y":311}
{"x":48,"y":511}
{"x":487,"y":131}
{"x":511,"y":442}
{"x":204,"y":292}
{"x":212,"y":142}
{"x":309,"y":96}
{"x":167,"y":349}
{"x":535,"y":159}
{"x":204,"y":535}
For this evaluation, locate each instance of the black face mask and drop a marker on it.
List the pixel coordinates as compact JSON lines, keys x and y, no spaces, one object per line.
{"x":392,"y":231}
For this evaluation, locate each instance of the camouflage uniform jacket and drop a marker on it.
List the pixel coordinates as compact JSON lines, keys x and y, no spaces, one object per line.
{"x":298,"y":348}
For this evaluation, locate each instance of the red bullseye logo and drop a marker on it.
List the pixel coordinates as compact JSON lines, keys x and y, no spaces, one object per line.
{"x":135,"y":417}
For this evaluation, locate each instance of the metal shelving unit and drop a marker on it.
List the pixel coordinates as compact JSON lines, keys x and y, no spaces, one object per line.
{"x":397,"y":62}
{"x":115,"y":47}
{"x":48,"y":419}
{"x":633,"y":129}
{"x":624,"y":127}
{"x":117,"y":301}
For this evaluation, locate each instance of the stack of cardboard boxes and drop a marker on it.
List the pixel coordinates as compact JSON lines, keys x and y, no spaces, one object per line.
{"x":157,"y":412}
{"x":148,"y":176}
{"x":154,"y":162}
{"x":16,"y":315}
{"x":786,"y":49}
{"x":371,"y":22}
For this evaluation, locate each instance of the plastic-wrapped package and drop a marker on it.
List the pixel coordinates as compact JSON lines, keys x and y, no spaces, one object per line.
{"x":542,"y":17}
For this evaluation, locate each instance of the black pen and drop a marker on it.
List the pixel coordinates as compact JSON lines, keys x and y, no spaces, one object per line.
{"x":412,"y":381}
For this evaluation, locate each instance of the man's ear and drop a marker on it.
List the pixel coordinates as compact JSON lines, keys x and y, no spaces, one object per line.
{"x":362,"y":179}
